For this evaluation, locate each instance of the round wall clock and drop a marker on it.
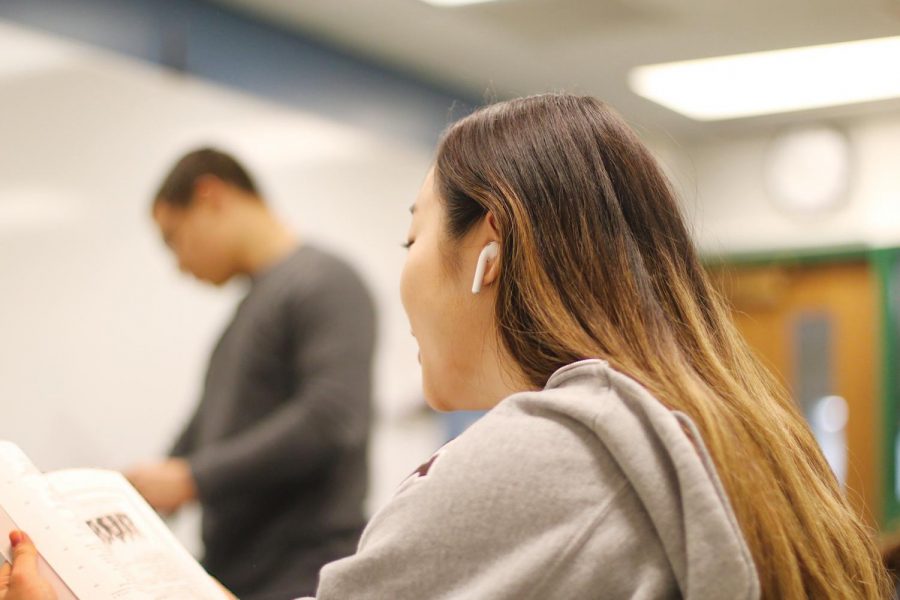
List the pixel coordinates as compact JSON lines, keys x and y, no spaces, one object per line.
{"x":807,"y":170}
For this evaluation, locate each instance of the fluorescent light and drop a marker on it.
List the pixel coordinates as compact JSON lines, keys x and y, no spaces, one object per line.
{"x":456,"y":2}
{"x":777,"y":81}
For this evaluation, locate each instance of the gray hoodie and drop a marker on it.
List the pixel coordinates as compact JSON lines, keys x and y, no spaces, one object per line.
{"x":589,"y":488}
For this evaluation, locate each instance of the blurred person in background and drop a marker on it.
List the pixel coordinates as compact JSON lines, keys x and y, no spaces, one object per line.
{"x":634,"y":447}
{"x":276,"y":451}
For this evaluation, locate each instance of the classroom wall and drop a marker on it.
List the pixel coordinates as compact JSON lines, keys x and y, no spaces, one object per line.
{"x":219,"y":44}
{"x":103,"y":342}
{"x":722,"y":183}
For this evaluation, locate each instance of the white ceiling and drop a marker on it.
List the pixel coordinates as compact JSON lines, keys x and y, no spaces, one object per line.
{"x":515,"y":47}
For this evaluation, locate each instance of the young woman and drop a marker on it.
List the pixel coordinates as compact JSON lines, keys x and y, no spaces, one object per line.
{"x":634,"y":447}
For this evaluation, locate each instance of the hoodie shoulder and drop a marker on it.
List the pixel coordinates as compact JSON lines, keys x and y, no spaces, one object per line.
{"x":663,"y":458}
{"x":525,"y":504}
{"x":588,"y":486}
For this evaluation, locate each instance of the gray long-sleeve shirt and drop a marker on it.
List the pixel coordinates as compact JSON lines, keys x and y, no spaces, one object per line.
{"x":278,"y":442}
{"x":587,"y":489}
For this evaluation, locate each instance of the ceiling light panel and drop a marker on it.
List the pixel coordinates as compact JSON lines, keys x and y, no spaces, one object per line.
{"x":778,"y":81}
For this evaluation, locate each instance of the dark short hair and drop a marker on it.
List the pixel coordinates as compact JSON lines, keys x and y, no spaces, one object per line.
{"x":178,"y":186}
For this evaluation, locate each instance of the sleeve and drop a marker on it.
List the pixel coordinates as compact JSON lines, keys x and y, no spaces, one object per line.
{"x":334,"y":330}
{"x":185,"y":443}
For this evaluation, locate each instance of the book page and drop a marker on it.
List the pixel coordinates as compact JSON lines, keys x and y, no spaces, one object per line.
{"x":67,"y":554}
{"x":139,"y":546}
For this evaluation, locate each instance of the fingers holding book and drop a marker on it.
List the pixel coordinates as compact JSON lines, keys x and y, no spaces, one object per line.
{"x":21,"y":580}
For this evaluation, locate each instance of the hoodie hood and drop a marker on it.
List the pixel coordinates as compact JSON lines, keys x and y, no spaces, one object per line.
{"x":663,"y":456}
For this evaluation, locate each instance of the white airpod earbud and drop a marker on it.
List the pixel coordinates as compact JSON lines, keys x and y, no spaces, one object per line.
{"x":487,"y":254}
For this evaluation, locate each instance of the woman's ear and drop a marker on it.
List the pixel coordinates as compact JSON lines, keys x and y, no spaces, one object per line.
{"x":487,"y":270}
{"x":492,"y":268}
{"x":491,"y":223}
{"x":487,"y":256}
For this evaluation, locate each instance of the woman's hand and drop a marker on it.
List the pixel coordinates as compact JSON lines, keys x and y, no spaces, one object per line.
{"x":21,"y":581}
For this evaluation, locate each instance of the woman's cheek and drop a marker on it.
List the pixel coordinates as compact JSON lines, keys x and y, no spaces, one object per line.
{"x":406,"y":288}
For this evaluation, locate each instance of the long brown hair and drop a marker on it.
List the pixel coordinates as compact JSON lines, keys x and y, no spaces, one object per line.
{"x":597,"y":261}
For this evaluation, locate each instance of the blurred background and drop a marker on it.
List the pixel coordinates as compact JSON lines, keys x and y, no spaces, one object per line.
{"x":781,"y":136}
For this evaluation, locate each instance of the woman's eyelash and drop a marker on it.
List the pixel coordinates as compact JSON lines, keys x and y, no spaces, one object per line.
{"x":407,"y":244}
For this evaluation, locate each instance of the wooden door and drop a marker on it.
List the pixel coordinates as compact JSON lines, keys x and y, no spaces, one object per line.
{"x":816,"y":327}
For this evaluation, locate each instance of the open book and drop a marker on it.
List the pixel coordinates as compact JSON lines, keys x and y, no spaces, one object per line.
{"x":97,"y":537}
